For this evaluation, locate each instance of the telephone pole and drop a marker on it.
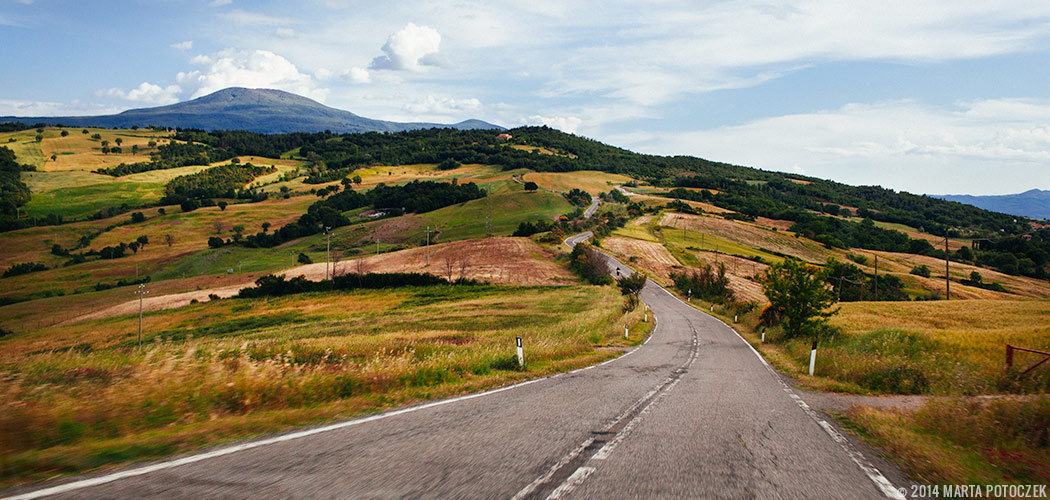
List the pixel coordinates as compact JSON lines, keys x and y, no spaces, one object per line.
{"x":328,"y":250}
{"x":488,"y":213}
{"x":947,"y":280}
{"x":876,"y":277}
{"x":141,"y":292}
{"x":428,"y":246}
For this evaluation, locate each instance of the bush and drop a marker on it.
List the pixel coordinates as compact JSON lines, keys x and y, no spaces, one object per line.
{"x":305,"y":259}
{"x":138,"y":217}
{"x":922,"y":270}
{"x":449,"y":164}
{"x":709,"y":283}
{"x":589,"y":264}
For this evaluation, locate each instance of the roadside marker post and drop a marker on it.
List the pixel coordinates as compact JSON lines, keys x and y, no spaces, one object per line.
{"x":645,"y":319}
{"x":763,"y":335}
{"x":521,"y":354}
{"x":734,"y":318}
{"x":812,"y":358}
{"x":625,"y":330}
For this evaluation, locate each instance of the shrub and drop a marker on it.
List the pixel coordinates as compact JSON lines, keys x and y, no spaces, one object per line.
{"x":24,"y":268}
{"x":709,"y":283}
{"x":922,"y":270}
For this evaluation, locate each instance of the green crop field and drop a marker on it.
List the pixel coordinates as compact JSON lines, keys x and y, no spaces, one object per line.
{"x":511,"y":205}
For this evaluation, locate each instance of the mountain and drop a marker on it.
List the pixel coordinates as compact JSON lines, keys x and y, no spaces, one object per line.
{"x":257,"y":110}
{"x":1034,"y":203}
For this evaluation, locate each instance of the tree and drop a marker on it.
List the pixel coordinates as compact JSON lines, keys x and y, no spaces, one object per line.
{"x":218,"y":226}
{"x":222,"y":206}
{"x":305,"y":259}
{"x":54,"y":157}
{"x":169,"y":238}
{"x":39,"y":137}
{"x":142,"y":241}
{"x":105,"y":143}
{"x":448,"y":164}
{"x":85,"y":131}
{"x":357,"y":179}
{"x":265,"y":226}
{"x":797,"y":292}
{"x":64,"y":133}
{"x":137,"y":217}
{"x":531,"y":186}
{"x":118,"y":140}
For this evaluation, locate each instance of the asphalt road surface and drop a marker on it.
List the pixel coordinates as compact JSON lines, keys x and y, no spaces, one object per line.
{"x":590,"y":210}
{"x":692,"y":413}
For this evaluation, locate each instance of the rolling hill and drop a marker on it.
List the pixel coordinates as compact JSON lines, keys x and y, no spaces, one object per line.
{"x":1033,"y":203}
{"x":257,"y":110}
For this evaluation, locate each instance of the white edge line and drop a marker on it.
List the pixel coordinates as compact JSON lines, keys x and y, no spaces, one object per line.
{"x":84,"y":483}
{"x":577,"y":478}
{"x":884,"y":485}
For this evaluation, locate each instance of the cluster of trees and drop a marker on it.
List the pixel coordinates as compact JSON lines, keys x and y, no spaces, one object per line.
{"x":24,"y":268}
{"x":172,"y":155}
{"x":18,"y":126}
{"x":850,"y":284}
{"x":416,"y":196}
{"x":530,"y":228}
{"x":578,"y":197}
{"x":277,"y":286}
{"x":216,"y":182}
{"x":13,"y":192}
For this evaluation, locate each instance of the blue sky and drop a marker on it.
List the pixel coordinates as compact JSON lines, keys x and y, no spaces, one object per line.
{"x":923,"y":96}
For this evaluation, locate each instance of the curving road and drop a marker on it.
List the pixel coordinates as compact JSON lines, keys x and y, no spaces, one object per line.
{"x":694,"y":412}
{"x":590,"y":209}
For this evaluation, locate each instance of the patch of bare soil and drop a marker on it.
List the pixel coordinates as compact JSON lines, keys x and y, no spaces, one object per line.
{"x":749,"y":235}
{"x":740,"y":272}
{"x":649,"y":256}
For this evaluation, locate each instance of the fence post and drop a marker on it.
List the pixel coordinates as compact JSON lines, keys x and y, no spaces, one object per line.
{"x":1009,"y":356}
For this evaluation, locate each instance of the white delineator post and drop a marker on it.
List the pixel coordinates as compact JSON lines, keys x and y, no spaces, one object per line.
{"x":763,"y":335}
{"x":812,"y":358}
{"x":645,"y":318}
{"x":625,"y":330}
{"x":521,"y":354}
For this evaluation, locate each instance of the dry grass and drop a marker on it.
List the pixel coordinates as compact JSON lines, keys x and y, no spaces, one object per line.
{"x":81,"y":396}
{"x":78,"y":152}
{"x":749,"y":235}
{"x":593,"y":182}
{"x":648,"y":256}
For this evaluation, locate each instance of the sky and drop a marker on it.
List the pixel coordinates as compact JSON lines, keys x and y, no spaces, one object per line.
{"x":926,"y":96}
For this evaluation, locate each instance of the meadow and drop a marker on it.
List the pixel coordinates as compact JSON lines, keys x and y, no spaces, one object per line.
{"x":83,"y":395}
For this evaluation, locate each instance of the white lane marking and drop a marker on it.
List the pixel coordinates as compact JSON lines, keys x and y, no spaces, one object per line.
{"x":884,"y":485}
{"x":84,"y":483}
{"x":577,"y":478}
{"x":526,"y":491}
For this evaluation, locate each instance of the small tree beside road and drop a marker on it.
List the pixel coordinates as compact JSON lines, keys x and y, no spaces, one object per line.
{"x":799,"y":296}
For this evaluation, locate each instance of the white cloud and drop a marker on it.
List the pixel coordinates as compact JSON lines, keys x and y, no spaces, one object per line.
{"x":984,"y":147}
{"x":284,"y":33}
{"x":201,"y":60}
{"x":357,"y":75}
{"x":187,"y":45}
{"x":220,"y":3}
{"x":242,"y":17}
{"x":14,"y":107}
{"x":443,"y":105}
{"x":411,"y":48}
{"x":249,"y":68}
{"x":146,"y":93}
{"x":564,"y":123}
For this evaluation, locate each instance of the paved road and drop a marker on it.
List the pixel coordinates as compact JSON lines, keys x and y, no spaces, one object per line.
{"x":693,"y":412}
{"x":594,"y":206}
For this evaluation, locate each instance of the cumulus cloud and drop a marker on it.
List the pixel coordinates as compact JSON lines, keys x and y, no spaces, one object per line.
{"x":249,"y":68}
{"x":984,"y":147}
{"x":187,"y":45}
{"x":443,"y":105}
{"x":146,"y":93}
{"x":357,"y":75}
{"x":411,"y":48}
{"x":564,"y":123}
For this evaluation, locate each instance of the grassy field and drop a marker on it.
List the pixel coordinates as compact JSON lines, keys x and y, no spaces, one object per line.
{"x":593,"y":182}
{"x":82,"y":396}
{"x":511,"y":205}
{"x":82,"y":201}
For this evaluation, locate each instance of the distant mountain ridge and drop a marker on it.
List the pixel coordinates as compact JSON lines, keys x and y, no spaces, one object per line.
{"x":266,"y":111}
{"x":1033,"y":203}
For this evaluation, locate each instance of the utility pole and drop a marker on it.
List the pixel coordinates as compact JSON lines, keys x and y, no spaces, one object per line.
{"x":488,"y":213}
{"x":328,"y":250}
{"x":947,"y":281}
{"x":428,"y":246}
{"x":141,"y":292}
{"x":876,"y":277}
